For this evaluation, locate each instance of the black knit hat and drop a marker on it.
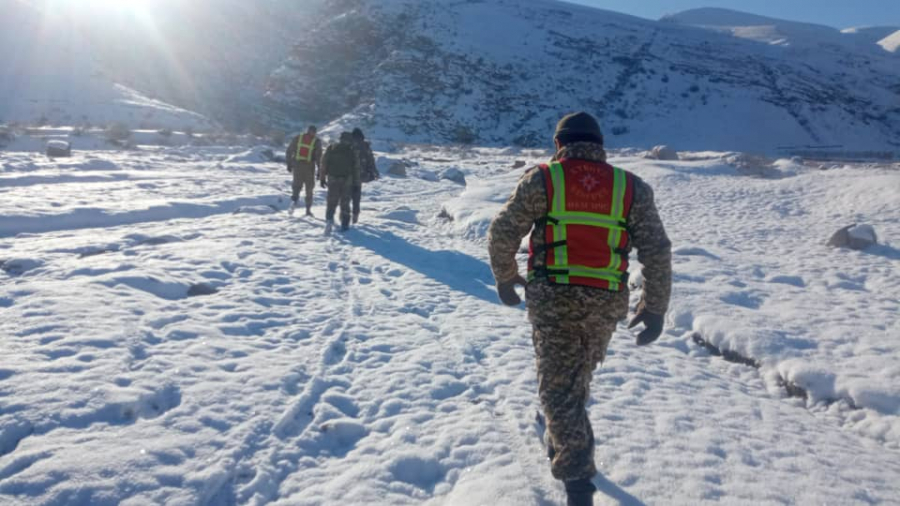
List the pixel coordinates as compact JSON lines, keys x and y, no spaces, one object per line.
{"x":578,"y":127}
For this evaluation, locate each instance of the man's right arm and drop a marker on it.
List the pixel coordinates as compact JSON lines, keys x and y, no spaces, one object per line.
{"x":291,"y":150}
{"x":317,"y":153}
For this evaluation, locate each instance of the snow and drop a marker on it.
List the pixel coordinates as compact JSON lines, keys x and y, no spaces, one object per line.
{"x":377,"y":366}
{"x":891,"y":43}
{"x":57,"y":144}
{"x":863,"y":232}
{"x":779,"y":31}
{"x":768,"y":290}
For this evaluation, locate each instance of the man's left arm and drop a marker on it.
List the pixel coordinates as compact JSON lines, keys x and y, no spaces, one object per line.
{"x":317,"y":154}
{"x":649,"y":237}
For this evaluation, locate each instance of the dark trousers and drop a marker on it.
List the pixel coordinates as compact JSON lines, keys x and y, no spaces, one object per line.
{"x":304,"y":175}
{"x":340,"y":191}
{"x":357,"y":197}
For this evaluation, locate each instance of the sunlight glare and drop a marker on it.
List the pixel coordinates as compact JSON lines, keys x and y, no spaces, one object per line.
{"x":101,"y":8}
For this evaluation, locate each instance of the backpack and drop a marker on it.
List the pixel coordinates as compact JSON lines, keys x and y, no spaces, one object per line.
{"x":340,"y":160}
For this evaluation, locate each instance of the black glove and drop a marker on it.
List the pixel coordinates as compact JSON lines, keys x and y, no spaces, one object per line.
{"x":507,"y":291}
{"x":653,"y":327}
{"x":323,"y":184}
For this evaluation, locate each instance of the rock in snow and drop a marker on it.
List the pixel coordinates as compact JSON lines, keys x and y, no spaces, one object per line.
{"x":398,"y":169}
{"x":19,"y":266}
{"x":858,"y":237}
{"x":454,"y":175}
{"x":201,"y":289}
{"x":664,"y":153}
{"x":59,"y":149}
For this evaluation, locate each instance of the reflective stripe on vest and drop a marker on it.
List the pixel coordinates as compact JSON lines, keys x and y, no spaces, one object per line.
{"x":306,"y":147}
{"x":558,"y":229}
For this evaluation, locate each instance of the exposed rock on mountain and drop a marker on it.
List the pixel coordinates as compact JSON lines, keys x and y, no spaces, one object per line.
{"x":502,"y":71}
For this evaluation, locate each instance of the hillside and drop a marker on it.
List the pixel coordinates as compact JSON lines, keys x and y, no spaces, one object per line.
{"x":495,"y":72}
{"x":500,"y":71}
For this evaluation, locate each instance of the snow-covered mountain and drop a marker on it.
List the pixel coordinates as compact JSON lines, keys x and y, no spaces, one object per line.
{"x":490,"y":71}
{"x":782,"y":32}
{"x":502,"y":71}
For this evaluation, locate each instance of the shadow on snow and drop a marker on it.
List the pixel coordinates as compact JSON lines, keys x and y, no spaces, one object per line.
{"x":616,"y":492}
{"x":457,"y":270}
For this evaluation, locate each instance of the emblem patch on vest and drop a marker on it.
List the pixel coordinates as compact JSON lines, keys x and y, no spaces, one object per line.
{"x":589,"y":181}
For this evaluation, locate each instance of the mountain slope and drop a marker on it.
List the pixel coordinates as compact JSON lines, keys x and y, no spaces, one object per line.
{"x":499,"y":71}
{"x":493,"y":71}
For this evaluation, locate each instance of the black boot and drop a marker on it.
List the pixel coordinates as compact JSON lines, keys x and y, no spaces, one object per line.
{"x":309,"y":211}
{"x":345,"y":223}
{"x":580,"y":492}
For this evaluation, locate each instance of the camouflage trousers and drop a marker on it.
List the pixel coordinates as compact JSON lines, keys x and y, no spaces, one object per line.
{"x":304,"y":175}
{"x":340,"y":191}
{"x":572,"y":328}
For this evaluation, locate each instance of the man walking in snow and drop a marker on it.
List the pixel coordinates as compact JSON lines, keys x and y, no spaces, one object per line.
{"x":367,"y":168}
{"x":303,"y":155}
{"x":584,"y":217}
{"x":339,"y":173}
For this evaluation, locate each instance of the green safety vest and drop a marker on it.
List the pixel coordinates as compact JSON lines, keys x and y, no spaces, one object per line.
{"x":306,"y":147}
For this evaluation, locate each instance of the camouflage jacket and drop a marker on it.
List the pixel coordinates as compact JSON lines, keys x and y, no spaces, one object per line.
{"x":529,"y":203}
{"x":291,"y":153}
{"x":368,"y":171}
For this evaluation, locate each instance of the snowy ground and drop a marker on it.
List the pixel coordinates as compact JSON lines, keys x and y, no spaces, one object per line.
{"x":376,"y":367}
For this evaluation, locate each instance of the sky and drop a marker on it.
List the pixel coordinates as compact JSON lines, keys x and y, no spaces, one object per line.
{"x":836,"y":13}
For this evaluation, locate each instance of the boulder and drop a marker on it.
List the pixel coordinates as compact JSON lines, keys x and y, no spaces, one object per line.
{"x":199,"y":289}
{"x":663,"y":152}
{"x":454,"y":175}
{"x":518,"y":164}
{"x":6,"y":136}
{"x":397,"y":169}
{"x":19,"y":266}
{"x":59,"y":149}
{"x":753,"y":165}
{"x":857,"y":237}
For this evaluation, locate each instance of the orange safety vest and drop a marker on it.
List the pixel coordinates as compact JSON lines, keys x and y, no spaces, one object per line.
{"x":586,"y":239}
{"x":306,"y":147}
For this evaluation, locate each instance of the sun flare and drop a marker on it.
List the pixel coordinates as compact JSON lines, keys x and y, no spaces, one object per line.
{"x":103,"y":7}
